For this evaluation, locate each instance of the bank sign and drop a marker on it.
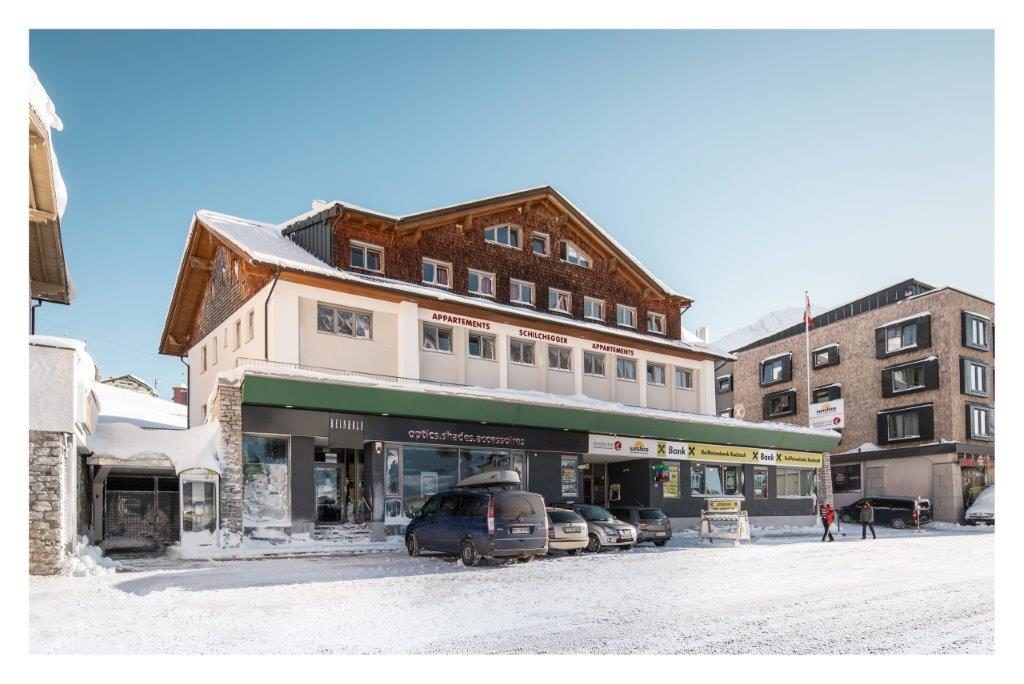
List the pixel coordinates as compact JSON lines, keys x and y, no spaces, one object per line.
{"x":828,"y":415}
{"x":640,"y":447}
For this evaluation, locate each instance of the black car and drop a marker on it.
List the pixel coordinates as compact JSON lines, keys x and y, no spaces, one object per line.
{"x":476,"y":523}
{"x":897,"y":511}
{"x":652,"y":525}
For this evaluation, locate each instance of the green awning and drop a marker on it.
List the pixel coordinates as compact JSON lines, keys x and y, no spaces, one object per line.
{"x":282,"y":392}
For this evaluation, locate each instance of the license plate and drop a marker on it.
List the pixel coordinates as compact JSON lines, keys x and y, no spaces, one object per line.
{"x":625,"y":535}
{"x":571,"y":528}
{"x":520,"y":530}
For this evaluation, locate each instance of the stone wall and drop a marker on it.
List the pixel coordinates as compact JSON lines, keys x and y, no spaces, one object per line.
{"x":227,"y":408}
{"x":947,"y":492}
{"x":50,"y":496}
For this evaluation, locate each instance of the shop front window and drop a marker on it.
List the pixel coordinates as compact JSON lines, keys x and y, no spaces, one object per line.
{"x":265,"y":500}
{"x":715,"y":480}
{"x":846,"y":478}
{"x":794,"y":482}
{"x":426,"y":471}
{"x":476,"y":461}
{"x":760,"y":483}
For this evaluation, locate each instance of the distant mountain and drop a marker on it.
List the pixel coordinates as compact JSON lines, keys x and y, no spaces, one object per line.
{"x":764,"y":326}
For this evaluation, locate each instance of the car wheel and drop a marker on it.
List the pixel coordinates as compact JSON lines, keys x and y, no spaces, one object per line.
{"x":412,"y":545}
{"x":661,"y":543}
{"x":525,"y":559}
{"x":845,"y":517}
{"x":572,"y":552}
{"x":898,"y":523}
{"x":594,"y":544}
{"x":468,"y":554}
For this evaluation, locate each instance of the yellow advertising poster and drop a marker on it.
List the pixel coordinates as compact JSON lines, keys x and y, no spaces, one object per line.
{"x":671,"y":490}
{"x":723,"y":505}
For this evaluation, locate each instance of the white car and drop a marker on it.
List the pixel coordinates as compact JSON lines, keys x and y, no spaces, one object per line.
{"x":567,"y":531}
{"x":983,"y":510}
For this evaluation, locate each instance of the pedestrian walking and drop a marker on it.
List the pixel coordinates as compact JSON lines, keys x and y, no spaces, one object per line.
{"x":828,"y":516}
{"x":867,"y":519}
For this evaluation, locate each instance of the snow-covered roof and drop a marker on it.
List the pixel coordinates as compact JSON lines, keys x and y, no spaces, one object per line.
{"x":120,"y":405}
{"x":265,"y":243}
{"x":44,"y":108}
{"x":127,"y":444}
{"x":577,"y":401}
{"x":904,"y":319}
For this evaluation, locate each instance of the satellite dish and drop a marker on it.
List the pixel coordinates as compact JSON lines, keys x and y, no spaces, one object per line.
{"x":739,"y":411}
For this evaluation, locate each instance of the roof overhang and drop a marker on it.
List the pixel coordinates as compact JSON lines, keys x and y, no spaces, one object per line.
{"x":48,"y":273}
{"x":414,"y":403}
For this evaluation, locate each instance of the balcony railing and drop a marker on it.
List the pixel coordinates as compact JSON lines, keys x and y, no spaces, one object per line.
{"x":340,"y":373}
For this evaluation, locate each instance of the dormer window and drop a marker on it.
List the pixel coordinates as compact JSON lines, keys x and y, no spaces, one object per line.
{"x":572,"y":254}
{"x":437,"y":273}
{"x":366,"y":256}
{"x":503,"y":235}
{"x":656,"y":323}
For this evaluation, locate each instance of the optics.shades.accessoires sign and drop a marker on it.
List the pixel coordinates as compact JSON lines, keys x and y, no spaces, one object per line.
{"x":641,"y":447}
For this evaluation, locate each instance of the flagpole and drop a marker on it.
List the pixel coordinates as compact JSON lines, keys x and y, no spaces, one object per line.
{"x":807,"y":338}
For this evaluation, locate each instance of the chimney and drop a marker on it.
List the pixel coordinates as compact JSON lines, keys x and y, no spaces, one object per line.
{"x":180,"y":395}
{"x":704,"y":333}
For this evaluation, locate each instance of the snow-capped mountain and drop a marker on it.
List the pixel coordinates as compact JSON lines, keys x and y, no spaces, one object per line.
{"x":765,"y":325}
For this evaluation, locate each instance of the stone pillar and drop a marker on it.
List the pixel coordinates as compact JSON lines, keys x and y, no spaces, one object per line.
{"x":947,"y":492}
{"x":227,"y":408}
{"x":49,"y":463}
{"x":825,"y":480}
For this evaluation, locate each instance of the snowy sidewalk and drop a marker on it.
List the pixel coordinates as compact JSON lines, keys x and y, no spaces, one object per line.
{"x":903,"y":593}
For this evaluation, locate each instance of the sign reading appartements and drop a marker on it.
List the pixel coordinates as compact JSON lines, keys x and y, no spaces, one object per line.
{"x":638,"y":447}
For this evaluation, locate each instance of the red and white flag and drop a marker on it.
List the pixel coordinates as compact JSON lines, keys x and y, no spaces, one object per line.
{"x":808,"y":316}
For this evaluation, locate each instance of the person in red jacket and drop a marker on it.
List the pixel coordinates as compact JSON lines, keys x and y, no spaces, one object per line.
{"x":828,"y":516}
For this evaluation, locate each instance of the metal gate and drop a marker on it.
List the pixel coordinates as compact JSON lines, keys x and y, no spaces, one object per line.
{"x":140,"y":518}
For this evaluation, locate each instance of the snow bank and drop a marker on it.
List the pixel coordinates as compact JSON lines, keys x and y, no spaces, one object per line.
{"x":184,"y":449}
{"x":88,"y":560}
{"x":119,"y":405}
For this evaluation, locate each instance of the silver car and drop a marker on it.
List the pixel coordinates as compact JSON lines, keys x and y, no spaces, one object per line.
{"x":604,"y":529}
{"x":567,"y":531}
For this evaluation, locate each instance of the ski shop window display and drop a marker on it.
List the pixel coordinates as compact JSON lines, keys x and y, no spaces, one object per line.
{"x":265,"y":497}
{"x":707,"y":479}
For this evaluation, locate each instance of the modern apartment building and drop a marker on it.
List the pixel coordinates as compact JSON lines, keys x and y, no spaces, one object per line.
{"x":914,"y":367}
{"x":359,"y":361}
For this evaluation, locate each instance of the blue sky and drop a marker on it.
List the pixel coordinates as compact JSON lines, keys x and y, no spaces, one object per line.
{"x":742,"y":167}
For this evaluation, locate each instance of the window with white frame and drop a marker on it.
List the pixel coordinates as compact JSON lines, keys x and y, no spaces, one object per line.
{"x":976,"y":329}
{"x":503,"y":235}
{"x":625,"y":369}
{"x":981,"y":421}
{"x":790,"y":482}
{"x":593,"y":308}
{"x":365,"y":256}
{"x":437,"y":273}
{"x":625,"y":316}
{"x":559,"y":300}
{"x":684,"y":378}
{"x":520,"y":292}
{"x":723,"y":383}
{"x":521,"y":352}
{"x":481,"y":283}
{"x":481,"y":346}
{"x":540,"y":243}
{"x":238,"y":333}
{"x":572,"y":254}
{"x":250,"y":325}
{"x":975,"y":374}
{"x":655,"y":374}
{"x":338,"y":320}
{"x":559,"y":358}
{"x":593,"y":364}
{"x":436,"y":338}
{"x":656,"y":323}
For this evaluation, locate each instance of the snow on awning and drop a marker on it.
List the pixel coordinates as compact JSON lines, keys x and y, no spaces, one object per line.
{"x":129,"y":445}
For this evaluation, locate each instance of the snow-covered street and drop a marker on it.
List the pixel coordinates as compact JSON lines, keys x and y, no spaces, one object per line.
{"x":907,"y":592}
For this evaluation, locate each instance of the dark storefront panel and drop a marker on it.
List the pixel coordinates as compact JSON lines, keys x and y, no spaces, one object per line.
{"x":544,"y":477}
{"x":303,"y":498}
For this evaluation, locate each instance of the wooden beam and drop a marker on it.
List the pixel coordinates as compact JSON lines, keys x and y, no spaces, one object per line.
{"x":200,"y":263}
{"x":40,"y":215}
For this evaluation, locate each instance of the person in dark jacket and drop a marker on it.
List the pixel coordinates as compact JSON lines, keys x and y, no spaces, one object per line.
{"x":867,"y":519}
{"x":828,"y":516}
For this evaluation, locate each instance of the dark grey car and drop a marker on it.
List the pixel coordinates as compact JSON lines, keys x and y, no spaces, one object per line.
{"x":652,"y":525}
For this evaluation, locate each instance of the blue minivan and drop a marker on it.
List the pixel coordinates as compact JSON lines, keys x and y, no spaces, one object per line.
{"x":482,"y":517}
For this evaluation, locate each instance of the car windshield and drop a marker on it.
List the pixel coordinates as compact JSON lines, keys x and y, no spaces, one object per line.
{"x":651,"y":514}
{"x":594,"y":513}
{"x":564,"y":517}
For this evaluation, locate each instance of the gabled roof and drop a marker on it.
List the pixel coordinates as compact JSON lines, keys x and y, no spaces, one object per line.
{"x":267,"y":245}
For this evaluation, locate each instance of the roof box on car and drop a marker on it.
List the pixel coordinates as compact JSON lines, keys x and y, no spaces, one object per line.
{"x":493,"y":478}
